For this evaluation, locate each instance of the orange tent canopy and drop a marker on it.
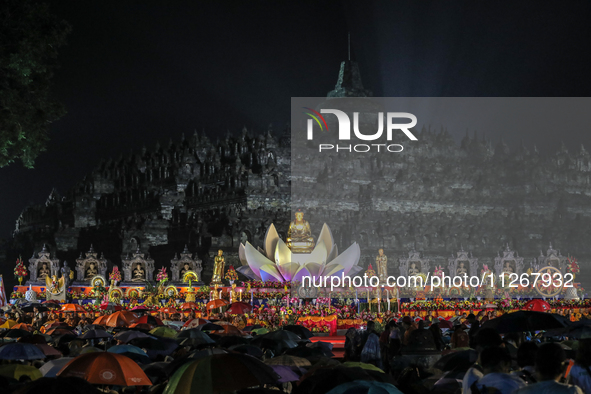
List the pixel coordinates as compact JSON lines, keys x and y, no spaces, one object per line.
{"x":106,"y":368}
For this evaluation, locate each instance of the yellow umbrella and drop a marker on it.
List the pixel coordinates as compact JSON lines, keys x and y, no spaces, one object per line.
{"x":164,"y":332}
{"x":362,"y":365}
{"x":15,"y":371}
{"x":8,"y":324}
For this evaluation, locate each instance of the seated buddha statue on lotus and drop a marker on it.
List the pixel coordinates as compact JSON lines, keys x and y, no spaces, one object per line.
{"x":299,"y":235}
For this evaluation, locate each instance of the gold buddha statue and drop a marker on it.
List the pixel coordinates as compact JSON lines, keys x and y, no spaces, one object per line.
{"x":299,"y":235}
{"x":218,"y":268}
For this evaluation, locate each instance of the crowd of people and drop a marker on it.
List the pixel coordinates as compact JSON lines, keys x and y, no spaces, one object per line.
{"x":403,"y":353}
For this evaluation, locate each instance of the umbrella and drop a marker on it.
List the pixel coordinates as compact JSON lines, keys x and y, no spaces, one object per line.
{"x":110,"y":307}
{"x":260,"y":331}
{"x":59,"y":331}
{"x":300,"y":331}
{"x":35,"y":338}
{"x":31,"y":308}
{"x":523,"y":321}
{"x":48,"y":350}
{"x":193,"y":333}
{"x":8,"y":324}
{"x":324,"y":347}
{"x":168,"y":310}
{"x":52,"y":367}
{"x":537,"y":305}
{"x":193,"y":323}
{"x":72,"y":308}
{"x":308,"y":352}
{"x":248,"y":349}
{"x":22,"y":326}
{"x":365,"y":387}
{"x":220,"y":373}
{"x":106,"y":368}
{"x":371,"y":367}
{"x":239,"y":308}
{"x":187,"y":306}
{"x":15,"y":371}
{"x":176,"y":324}
{"x":90,"y":349}
{"x":140,"y":308}
{"x":95,"y":334}
{"x":142,"y":326}
{"x":281,"y":335}
{"x":165,"y":332}
{"x":206,"y":352}
{"x":231,"y":340}
{"x":147,"y":319}
{"x":20,"y":351}
{"x":155,"y":347}
{"x":214,"y":304}
{"x":210,"y":327}
{"x":120,"y":349}
{"x":229,"y":330}
{"x":47,"y":385}
{"x":291,"y":361}
{"x":101,"y":320}
{"x":457,"y":360}
{"x":286,"y":374}
{"x":126,"y":336}
{"x":57,"y":324}
{"x":16,"y":333}
{"x":120,"y":319}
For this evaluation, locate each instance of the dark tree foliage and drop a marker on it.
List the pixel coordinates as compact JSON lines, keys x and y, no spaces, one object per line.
{"x":29,"y":39}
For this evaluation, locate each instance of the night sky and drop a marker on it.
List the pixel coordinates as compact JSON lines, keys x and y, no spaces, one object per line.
{"x":137,"y":72}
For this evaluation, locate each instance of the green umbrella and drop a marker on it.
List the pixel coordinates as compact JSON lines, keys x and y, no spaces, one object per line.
{"x":163,"y":331}
{"x":220,"y":373}
{"x":370,"y":367}
{"x":260,"y":331}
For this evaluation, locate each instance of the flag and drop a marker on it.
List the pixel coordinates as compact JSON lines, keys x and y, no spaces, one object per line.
{"x":3,"y":300}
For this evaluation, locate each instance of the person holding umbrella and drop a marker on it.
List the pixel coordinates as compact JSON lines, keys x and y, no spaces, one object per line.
{"x":551,"y":363}
{"x":485,"y":338}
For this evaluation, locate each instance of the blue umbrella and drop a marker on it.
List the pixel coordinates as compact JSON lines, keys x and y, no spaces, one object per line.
{"x":52,"y":367}
{"x":21,"y":351}
{"x":365,"y":387}
{"x":120,"y":349}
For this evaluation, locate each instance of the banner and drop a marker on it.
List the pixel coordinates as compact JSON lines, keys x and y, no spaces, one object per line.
{"x":3,"y":299}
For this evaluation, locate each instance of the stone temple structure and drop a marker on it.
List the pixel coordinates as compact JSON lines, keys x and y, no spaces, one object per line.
{"x":436,"y":199}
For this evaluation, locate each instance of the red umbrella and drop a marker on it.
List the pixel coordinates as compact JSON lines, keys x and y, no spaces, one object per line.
{"x":140,"y":308}
{"x":107,"y":369}
{"x":193,"y":323}
{"x":239,"y":308}
{"x":537,"y":305}
{"x":153,"y":320}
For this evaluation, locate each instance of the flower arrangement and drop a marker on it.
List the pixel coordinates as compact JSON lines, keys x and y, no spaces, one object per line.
{"x":438,"y":271}
{"x":115,"y":274}
{"x":370,"y":272}
{"x":162,"y":276}
{"x":573,"y":266}
{"x":19,"y":270}
{"x":231,"y":274}
{"x":16,"y":295}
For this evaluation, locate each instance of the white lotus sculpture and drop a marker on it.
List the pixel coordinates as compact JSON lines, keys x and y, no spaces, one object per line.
{"x":277,"y":263}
